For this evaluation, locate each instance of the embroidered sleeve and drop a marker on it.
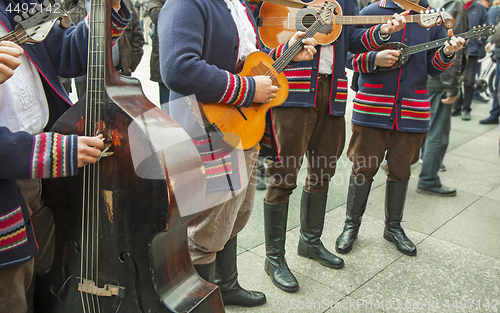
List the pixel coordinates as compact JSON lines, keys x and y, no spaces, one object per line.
{"x":239,"y":90}
{"x":54,"y":155}
{"x":364,"y":62}
{"x":441,"y":61}
{"x":372,"y":39}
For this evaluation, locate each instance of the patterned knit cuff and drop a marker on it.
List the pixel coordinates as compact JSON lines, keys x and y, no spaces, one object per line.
{"x":365,"y":62}
{"x":239,"y":91}
{"x":441,"y":61}
{"x":371,"y":38}
{"x":54,"y":155}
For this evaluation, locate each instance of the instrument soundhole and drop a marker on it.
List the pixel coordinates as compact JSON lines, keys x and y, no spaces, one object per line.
{"x":308,"y":19}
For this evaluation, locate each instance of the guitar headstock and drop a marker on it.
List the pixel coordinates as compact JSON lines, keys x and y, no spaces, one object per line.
{"x":431,"y":18}
{"x":39,"y":21}
{"x":481,"y":31}
{"x":326,"y":12}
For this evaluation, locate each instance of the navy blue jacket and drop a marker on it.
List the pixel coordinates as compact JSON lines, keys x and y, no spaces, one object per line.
{"x":22,"y":155}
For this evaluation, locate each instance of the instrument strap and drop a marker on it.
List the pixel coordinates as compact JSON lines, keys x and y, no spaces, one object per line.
{"x":408,"y":5}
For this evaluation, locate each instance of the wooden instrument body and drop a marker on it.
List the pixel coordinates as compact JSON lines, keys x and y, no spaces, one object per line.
{"x":280,"y":23}
{"x":246,"y":132}
{"x":142,"y":236}
{"x":119,"y":223}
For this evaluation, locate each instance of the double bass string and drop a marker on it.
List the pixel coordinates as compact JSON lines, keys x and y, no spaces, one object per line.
{"x":90,"y":207}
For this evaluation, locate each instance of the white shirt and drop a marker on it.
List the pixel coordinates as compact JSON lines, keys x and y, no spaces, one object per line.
{"x":326,"y":60}
{"x":23,"y":105}
{"x":246,"y":32}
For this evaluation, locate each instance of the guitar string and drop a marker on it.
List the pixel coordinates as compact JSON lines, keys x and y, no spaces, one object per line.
{"x":231,"y":116}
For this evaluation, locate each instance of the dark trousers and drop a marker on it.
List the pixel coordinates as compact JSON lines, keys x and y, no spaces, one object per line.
{"x":495,"y":107}
{"x":465,"y":100}
{"x":436,"y":142}
{"x":368,"y":146}
{"x":312,"y":132}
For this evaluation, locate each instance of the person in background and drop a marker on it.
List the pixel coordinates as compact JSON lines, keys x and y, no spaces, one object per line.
{"x":154,"y":8}
{"x":478,"y":16}
{"x":443,"y":93}
{"x":494,"y":19}
{"x":201,"y":44}
{"x":391,"y":117}
{"x":32,"y":99}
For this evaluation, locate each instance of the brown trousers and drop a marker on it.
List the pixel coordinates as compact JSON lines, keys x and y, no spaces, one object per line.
{"x":368,"y":146}
{"x":209,"y":232}
{"x":312,"y":132}
{"x":16,"y":282}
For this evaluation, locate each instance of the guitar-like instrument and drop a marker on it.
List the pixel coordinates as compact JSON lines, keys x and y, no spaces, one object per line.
{"x":36,"y":28}
{"x":121,"y":224}
{"x":278,"y":23}
{"x":407,"y":51}
{"x":244,"y":127}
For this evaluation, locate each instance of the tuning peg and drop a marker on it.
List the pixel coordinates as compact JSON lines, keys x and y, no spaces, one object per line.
{"x":46,"y":3}
{"x":433,"y":11}
{"x":17,"y":19}
{"x":26,"y":15}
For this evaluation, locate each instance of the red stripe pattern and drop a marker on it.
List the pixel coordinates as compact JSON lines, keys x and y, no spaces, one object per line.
{"x":12,"y":230}
{"x":365,"y":103}
{"x":53,"y":155}
{"x":341,"y":95}
{"x":299,"y":79}
{"x":369,"y":39}
{"x":441,"y":62}
{"x":415,"y":109}
{"x":237,"y":90}
{"x":364,"y":62}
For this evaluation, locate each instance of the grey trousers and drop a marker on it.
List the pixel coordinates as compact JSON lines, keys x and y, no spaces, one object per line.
{"x":436,"y":143}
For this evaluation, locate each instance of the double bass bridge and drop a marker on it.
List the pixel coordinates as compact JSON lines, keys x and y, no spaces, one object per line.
{"x":108,"y":290}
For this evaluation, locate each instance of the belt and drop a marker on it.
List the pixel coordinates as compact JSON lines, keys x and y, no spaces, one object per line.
{"x":324,"y":75}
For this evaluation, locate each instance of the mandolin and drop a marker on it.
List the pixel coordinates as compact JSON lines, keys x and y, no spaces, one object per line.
{"x":244,"y":127}
{"x":36,"y":28}
{"x":278,"y":23}
{"x":407,"y":51}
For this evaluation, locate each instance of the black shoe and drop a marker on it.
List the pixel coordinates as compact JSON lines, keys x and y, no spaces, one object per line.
{"x":465,"y":116}
{"x":395,"y":234}
{"x":456,"y":113}
{"x":489,"y":120}
{"x":438,"y":191}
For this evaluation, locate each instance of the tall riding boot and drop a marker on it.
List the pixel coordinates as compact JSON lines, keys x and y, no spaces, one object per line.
{"x":395,"y":197}
{"x":226,"y":275}
{"x":357,"y":197}
{"x":275,"y":217}
{"x":206,"y":271}
{"x":312,"y":220}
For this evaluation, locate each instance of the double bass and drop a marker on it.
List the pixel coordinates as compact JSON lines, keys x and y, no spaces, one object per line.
{"x":121,"y":224}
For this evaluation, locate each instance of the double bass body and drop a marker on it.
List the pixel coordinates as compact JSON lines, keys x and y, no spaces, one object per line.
{"x":121,"y":240}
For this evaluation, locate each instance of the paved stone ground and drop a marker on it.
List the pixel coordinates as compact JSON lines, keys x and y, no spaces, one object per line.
{"x":457,"y":268}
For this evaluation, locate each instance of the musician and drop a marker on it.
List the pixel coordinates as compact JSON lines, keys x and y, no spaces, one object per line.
{"x":32,"y":98}
{"x":391,"y":117}
{"x":311,"y":123}
{"x":201,"y":44}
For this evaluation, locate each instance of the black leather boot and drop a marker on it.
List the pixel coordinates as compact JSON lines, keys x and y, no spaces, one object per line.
{"x":275,"y":218}
{"x":226,"y":277}
{"x":395,"y":197}
{"x":206,"y":271}
{"x":312,"y":220}
{"x":357,"y":197}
